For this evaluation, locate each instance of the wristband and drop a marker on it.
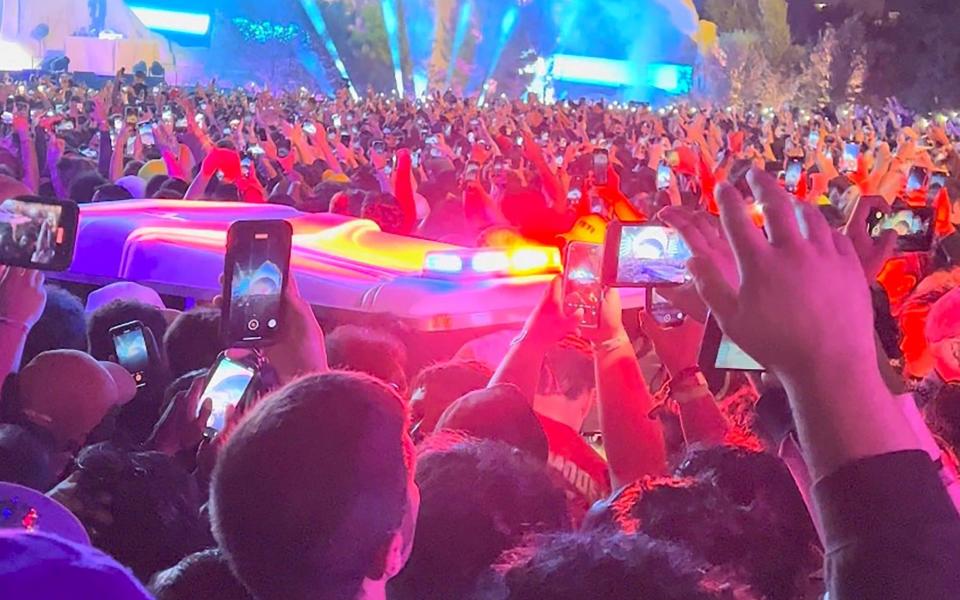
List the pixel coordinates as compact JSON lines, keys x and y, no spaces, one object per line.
{"x":614,"y":343}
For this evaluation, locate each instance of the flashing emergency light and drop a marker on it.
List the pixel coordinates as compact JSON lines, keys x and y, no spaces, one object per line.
{"x":490,"y":262}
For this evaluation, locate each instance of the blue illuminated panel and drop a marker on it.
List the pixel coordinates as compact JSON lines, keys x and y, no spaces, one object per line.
{"x":174,"y":21}
{"x":671,"y":78}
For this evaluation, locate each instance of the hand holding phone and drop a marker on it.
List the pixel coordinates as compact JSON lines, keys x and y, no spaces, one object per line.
{"x":914,"y":227}
{"x":582,"y":285}
{"x":601,"y":162}
{"x":228,"y":382}
{"x":256,"y":270}
{"x":793,"y":173}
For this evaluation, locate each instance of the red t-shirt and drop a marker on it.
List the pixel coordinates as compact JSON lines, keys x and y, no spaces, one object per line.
{"x":583,"y":471}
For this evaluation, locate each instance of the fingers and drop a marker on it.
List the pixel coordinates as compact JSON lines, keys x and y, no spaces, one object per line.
{"x":203,"y":415}
{"x":780,"y":220}
{"x":716,"y":292}
{"x":745,"y":238}
{"x":818,"y":230}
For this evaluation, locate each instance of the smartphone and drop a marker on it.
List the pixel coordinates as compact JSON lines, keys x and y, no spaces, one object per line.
{"x":851,"y":152}
{"x":255,"y":150}
{"x":135,"y":349}
{"x":345,"y":139}
{"x":432,"y":140}
{"x":415,"y":159}
{"x":663,"y":313}
{"x":813,"y":140}
{"x":472,"y":171}
{"x":117,"y":124}
{"x":558,"y":161}
{"x":719,"y":352}
{"x":644,"y":255}
{"x":145,"y":129}
{"x":227,"y":382}
{"x":38,"y":233}
{"x":663,"y":176}
{"x":131,"y":114}
{"x":379,"y":146}
{"x":245,"y":167}
{"x":916,"y":179}
{"x":471,"y":137}
{"x":792,"y":175}
{"x":256,"y":268}
{"x":519,"y":140}
{"x":582,"y":285}
{"x":938,"y":179}
{"x":914,"y":227}
{"x":309,"y":128}
{"x":601,"y":160}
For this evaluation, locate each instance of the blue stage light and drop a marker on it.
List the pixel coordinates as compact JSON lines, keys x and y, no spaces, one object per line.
{"x":391,"y":24}
{"x":463,"y":25}
{"x":174,"y":21}
{"x":507,"y":24}
{"x":312,"y":8}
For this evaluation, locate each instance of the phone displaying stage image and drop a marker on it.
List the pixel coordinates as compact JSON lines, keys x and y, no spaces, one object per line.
{"x":582,"y":285}
{"x":914,"y":227}
{"x":145,"y":130}
{"x":917,"y":179}
{"x":792,"y":176}
{"x":38,"y":233}
{"x":256,"y":265}
{"x":227,"y":383}
{"x":601,"y":161}
{"x":642,"y":255}
{"x":663,"y":176}
{"x":851,"y":154}
{"x":130,"y":348}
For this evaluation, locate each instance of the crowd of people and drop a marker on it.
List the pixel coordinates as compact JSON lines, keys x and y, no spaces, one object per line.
{"x":550,"y":460}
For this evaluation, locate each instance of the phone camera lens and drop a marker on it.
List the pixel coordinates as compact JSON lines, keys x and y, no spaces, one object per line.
{"x":253,"y":325}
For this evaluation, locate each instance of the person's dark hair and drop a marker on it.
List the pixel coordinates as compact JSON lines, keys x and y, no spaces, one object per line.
{"x":739,"y":525}
{"x":132,"y":167}
{"x":25,"y":458}
{"x":118,"y":312}
{"x":193,"y":340}
{"x":370,"y":351}
{"x":310,"y":489}
{"x":943,"y":414}
{"x":478,"y":498}
{"x":62,"y":326}
{"x":175,"y":186}
{"x":437,"y":386}
{"x":112,"y":191}
{"x":154,"y":507}
{"x":612,"y":566}
{"x":84,"y":186}
{"x":71,"y":167}
{"x":226,"y":191}
{"x":348,"y":202}
{"x":384,"y":210}
{"x":203,"y":575}
{"x":154,"y":184}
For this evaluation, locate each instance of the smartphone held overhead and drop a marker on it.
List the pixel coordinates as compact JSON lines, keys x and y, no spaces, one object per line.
{"x":135,"y":349}
{"x":229,"y":380}
{"x":582,"y":284}
{"x":644,"y":255}
{"x":38,"y":233}
{"x":256,"y":269}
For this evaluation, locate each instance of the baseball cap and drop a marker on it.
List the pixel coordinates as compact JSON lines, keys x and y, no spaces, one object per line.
{"x":128,"y":290}
{"x":152,"y":168}
{"x":68,"y":392}
{"x":588,"y":228}
{"x":42,"y":565}
{"x":499,"y":412}
{"x":25,"y":509}
{"x":133,"y":184}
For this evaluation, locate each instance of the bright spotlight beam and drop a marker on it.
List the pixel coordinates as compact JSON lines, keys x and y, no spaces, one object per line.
{"x":463,"y":25}
{"x":391,"y":24}
{"x":506,"y":30}
{"x":312,"y":8}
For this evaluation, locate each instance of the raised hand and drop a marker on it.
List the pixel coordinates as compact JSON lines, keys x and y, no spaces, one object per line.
{"x":873,"y":253}
{"x":803,"y":299}
{"x":22,"y":295}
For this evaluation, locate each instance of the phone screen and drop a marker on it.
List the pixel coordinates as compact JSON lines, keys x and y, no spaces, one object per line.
{"x":916,"y":179}
{"x":37,"y":234}
{"x":257,"y":259}
{"x":814,"y":139}
{"x":649,"y":255}
{"x":146,"y":134}
{"x":938,"y":179}
{"x":131,"y":350}
{"x":225,"y":387}
{"x":792,"y":177}
{"x":663,"y":176}
{"x":582,"y":285}
{"x":851,"y":152}
{"x":731,"y":357}
{"x":913,"y":227}
{"x":471,"y":172}
{"x":664,"y":313}
{"x":600,"y":162}
{"x":309,"y":128}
